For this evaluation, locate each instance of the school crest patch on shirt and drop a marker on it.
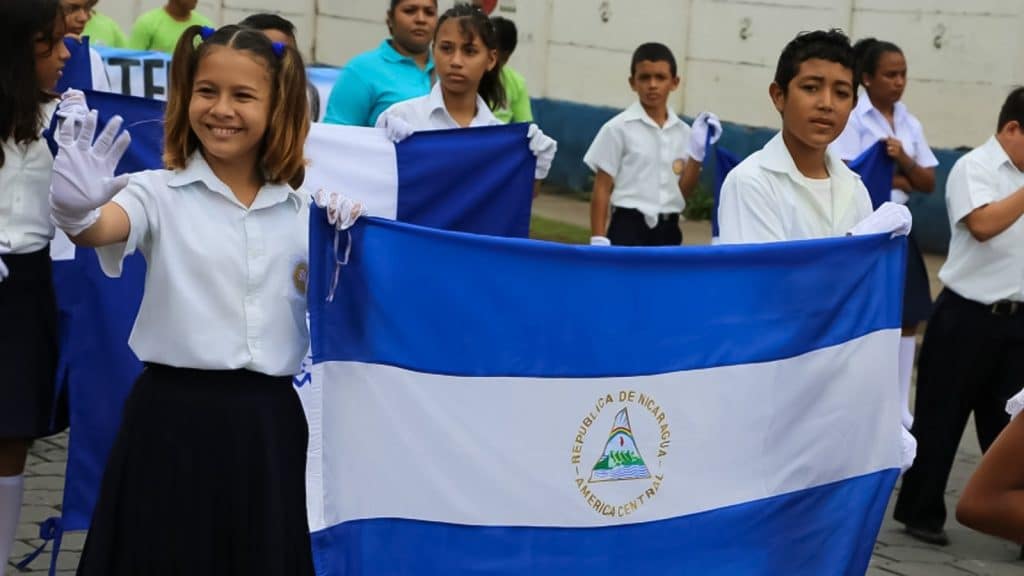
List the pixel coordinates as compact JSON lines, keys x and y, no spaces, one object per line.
{"x":677,"y":166}
{"x":300,"y":275}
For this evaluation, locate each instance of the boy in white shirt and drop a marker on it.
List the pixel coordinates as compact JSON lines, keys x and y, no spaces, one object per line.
{"x":646,"y":160}
{"x":794,"y":188}
{"x":970,"y":359}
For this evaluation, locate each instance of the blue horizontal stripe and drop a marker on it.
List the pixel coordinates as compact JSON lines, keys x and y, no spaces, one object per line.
{"x":824,"y":531}
{"x":453,"y":303}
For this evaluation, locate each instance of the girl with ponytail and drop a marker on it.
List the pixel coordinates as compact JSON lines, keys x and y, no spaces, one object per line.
{"x":207,"y":474}
{"x":468,"y":86}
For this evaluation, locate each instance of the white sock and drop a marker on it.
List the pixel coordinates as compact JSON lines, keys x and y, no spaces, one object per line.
{"x":11,"y":488}
{"x":908,"y":345}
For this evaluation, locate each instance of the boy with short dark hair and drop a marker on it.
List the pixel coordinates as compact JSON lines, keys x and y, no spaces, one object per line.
{"x":646,"y":160}
{"x":969,"y":360}
{"x":795,"y":188}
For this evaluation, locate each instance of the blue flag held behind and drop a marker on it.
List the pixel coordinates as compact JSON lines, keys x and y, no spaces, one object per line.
{"x":482,"y":425}
{"x":97,"y":314}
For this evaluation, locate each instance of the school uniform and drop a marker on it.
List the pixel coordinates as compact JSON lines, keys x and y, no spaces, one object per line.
{"x":972,"y":357}
{"x":207,"y":474}
{"x":767,"y":199}
{"x":429,"y":113}
{"x":29,"y":407}
{"x":645,"y":161}
{"x":866,"y":127}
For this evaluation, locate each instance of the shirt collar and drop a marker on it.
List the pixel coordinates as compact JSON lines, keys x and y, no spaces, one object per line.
{"x":995,"y":155}
{"x":865,"y":108}
{"x":197,"y":170}
{"x":776,"y":158}
{"x":389,"y":54}
{"x":435,"y":102}
{"x":636,"y":112}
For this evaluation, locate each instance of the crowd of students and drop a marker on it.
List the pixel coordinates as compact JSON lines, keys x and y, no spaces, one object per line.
{"x":230,"y":204}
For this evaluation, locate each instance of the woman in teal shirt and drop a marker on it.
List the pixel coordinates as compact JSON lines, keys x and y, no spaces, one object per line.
{"x":399,"y":69}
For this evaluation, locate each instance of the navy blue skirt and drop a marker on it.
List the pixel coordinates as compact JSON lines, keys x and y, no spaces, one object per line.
{"x":206,"y":478}
{"x":917,"y":294}
{"x":30,"y":406}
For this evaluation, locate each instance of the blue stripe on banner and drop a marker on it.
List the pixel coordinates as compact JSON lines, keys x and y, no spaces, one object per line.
{"x":427,"y":200}
{"x":423,"y":299}
{"x":810,"y":532}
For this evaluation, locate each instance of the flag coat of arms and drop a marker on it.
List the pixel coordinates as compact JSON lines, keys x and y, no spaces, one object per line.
{"x":506,"y":406}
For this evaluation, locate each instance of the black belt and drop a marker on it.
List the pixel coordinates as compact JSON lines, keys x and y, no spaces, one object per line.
{"x":997,"y":308}
{"x":662,"y":217}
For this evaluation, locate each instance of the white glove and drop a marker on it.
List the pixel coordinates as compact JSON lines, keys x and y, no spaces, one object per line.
{"x":908,"y":449}
{"x":396,"y":128}
{"x":890,"y":217}
{"x":544,"y":148}
{"x":83,"y":172}
{"x":1015,"y":405}
{"x":600,"y":241}
{"x":342,"y":211}
{"x":702,"y":124}
{"x":4,"y":272}
{"x":73,"y":108}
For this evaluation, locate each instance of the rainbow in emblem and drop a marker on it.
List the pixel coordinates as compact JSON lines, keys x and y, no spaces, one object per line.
{"x":621,"y":459}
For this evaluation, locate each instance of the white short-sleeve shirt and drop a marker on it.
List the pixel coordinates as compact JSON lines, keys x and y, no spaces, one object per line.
{"x":867,"y":126}
{"x":25,"y":224}
{"x":983,"y":271}
{"x":225,"y":284}
{"x":644,"y":159}
{"x":767,"y":199}
{"x":429,"y":113}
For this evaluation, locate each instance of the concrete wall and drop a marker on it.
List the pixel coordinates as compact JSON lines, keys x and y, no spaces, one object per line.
{"x":962,"y":55}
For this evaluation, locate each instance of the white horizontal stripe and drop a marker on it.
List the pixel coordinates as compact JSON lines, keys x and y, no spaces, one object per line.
{"x":359,"y":162}
{"x":498,"y":451}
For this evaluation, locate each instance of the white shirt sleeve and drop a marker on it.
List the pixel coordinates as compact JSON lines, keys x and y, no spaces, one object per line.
{"x":605,"y":152}
{"x":970,"y":187}
{"x":748,"y":212}
{"x":923,"y":154}
{"x":140,"y":206}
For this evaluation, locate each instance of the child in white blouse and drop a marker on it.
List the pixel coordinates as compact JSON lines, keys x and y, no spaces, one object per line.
{"x":222,"y":324}
{"x":468,"y":86}
{"x":31,"y":41}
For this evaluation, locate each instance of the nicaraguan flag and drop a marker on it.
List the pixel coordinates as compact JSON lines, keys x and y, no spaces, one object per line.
{"x":479,"y":180}
{"x":514,"y":407}
{"x":876,"y":169}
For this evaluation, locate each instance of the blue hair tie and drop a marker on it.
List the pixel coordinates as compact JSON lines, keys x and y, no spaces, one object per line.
{"x":205,"y":32}
{"x":278,"y":48}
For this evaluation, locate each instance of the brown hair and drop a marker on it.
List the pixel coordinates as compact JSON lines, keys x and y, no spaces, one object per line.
{"x":281,"y":157}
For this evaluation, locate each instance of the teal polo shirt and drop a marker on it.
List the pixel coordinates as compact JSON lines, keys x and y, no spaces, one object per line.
{"x":371,"y":82}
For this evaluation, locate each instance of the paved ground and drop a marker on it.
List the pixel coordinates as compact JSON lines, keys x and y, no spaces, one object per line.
{"x":895,"y":553}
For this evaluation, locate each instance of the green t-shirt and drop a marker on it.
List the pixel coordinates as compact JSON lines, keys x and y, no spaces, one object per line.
{"x":517,"y":101}
{"x":102,"y":30}
{"x":156,"y":30}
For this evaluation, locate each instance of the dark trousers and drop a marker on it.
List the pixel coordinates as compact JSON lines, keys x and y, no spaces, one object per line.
{"x":972,"y":360}
{"x":628,"y":228}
